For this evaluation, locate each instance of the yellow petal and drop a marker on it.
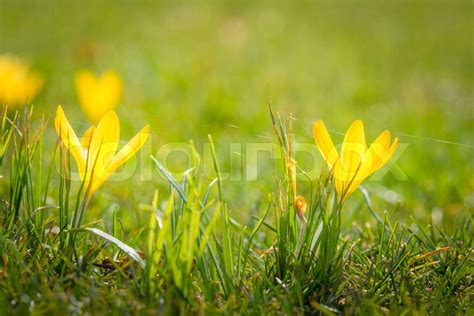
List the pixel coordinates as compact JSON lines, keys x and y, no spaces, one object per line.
{"x":97,"y":96}
{"x":337,"y":179}
{"x":86,"y":137}
{"x":17,"y":83}
{"x":353,"y":186}
{"x":391,"y":151}
{"x":379,"y":150}
{"x":345,"y":187}
{"x":125,"y":153}
{"x":325,"y":144}
{"x":385,"y":156}
{"x":129,"y":149}
{"x":86,"y":93}
{"x":356,"y":162}
{"x":393,"y":147}
{"x":103,"y":146}
{"x":354,"y":146}
{"x":70,"y":140}
{"x":353,"y":153}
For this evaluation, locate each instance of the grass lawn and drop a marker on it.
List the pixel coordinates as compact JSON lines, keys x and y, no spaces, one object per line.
{"x":203,"y":218}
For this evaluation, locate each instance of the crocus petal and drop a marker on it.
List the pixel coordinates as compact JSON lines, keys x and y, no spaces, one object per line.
{"x":129,"y":149}
{"x":86,"y":137}
{"x":325,"y":144}
{"x":97,"y":96}
{"x":124,"y":154}
{"x":391,"y":151}
{"x":393,"y":147}
{"x":103,"y":146}
{"x":355,"y":164}
{"x":337,"y":180}
{"x":17,"y":83}
{"x":379,"y":150}
{"x":377,"y":160}
{"x":352,"y":186}
{"x":344,"y":180}
{"x":353,"y":147}
{"x":85,"y":89}
{"x":70,"y":140}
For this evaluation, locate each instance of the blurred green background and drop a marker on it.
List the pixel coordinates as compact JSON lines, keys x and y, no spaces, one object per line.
{"x":212,"y":67}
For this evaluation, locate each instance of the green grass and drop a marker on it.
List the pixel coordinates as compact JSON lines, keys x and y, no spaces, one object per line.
{"x":172,"y":239}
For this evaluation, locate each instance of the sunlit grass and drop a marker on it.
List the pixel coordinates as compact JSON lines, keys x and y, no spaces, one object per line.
{"x":191,"y":255}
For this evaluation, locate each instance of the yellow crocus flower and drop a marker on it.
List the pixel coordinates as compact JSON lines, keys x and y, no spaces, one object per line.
{"x":17,"y":83}
{"x":97,"y":96}
{"x":356,"y":161}
{"x":96,"y":153}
